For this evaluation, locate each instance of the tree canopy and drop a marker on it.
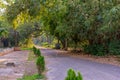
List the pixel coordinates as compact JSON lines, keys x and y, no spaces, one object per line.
{"x":70,"y":21}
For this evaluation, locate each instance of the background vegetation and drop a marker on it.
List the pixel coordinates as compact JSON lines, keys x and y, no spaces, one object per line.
{"x":93,"y":25}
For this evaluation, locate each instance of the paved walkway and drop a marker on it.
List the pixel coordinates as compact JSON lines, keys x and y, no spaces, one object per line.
{"x":58,"y":64}
{"x":19,"y":58}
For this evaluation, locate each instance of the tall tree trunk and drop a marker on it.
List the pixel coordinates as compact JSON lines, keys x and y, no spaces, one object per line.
{"x":64,"y":44}
{"x":16,"y":42}
{"x":75,"y":47}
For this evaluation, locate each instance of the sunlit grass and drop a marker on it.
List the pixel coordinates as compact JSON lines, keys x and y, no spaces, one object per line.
{"x":31,"y":77}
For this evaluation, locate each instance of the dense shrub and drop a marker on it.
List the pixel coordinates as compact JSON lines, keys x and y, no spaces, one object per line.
{"x":72,"y":75}
{"x":36,"y":51}
{"x":95,"y":49}
{"x":114,"y":48}
{"x":40,"y":64}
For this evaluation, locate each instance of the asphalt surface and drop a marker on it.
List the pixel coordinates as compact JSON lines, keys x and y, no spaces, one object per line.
{"x":57,"y":65}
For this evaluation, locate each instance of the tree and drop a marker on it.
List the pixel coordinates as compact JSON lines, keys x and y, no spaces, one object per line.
{"x":71,"y":21}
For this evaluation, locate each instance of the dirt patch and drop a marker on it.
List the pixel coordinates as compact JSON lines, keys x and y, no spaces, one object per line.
{"x":30,"y":68}
{"x":19,"y":58}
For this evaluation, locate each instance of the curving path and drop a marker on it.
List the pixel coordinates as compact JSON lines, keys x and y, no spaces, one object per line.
{"x":58,"y":64}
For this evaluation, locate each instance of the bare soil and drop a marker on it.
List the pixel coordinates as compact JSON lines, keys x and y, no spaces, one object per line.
{"x":19,"y":58}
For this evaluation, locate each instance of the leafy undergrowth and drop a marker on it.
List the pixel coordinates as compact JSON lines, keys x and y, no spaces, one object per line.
{"x":32,"y":77}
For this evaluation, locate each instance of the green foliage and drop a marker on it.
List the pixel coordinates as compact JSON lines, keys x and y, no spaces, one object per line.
{"x":40,"y":64}
{"x":96,"y":21}
{"x":23,"y":6}
{"x":79,"y":77}
{"x":102,"y":50}
{"x":114,"y":48}
{"x":72,"y":75}
{"x":4,"y":27}
{"x":45,"y":44}
{"x":3,"y":32}
{"x":96,"y":49}
{"x":36,"y":51}
{"x":27,"y":31}
{"x":31,"y":77}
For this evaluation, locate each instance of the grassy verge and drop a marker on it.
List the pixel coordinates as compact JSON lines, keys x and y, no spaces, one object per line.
{"x":31,"y":56}
{"x":31,"y":72}
{"x":32,"y":77}
{"x":26,"y":48}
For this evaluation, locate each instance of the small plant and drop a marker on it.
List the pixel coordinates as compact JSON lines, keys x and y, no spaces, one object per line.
{"x":36,"y":51}
{"x":34,"y":48}
{"x":40,"y":64}
{"x":71,"y":75}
